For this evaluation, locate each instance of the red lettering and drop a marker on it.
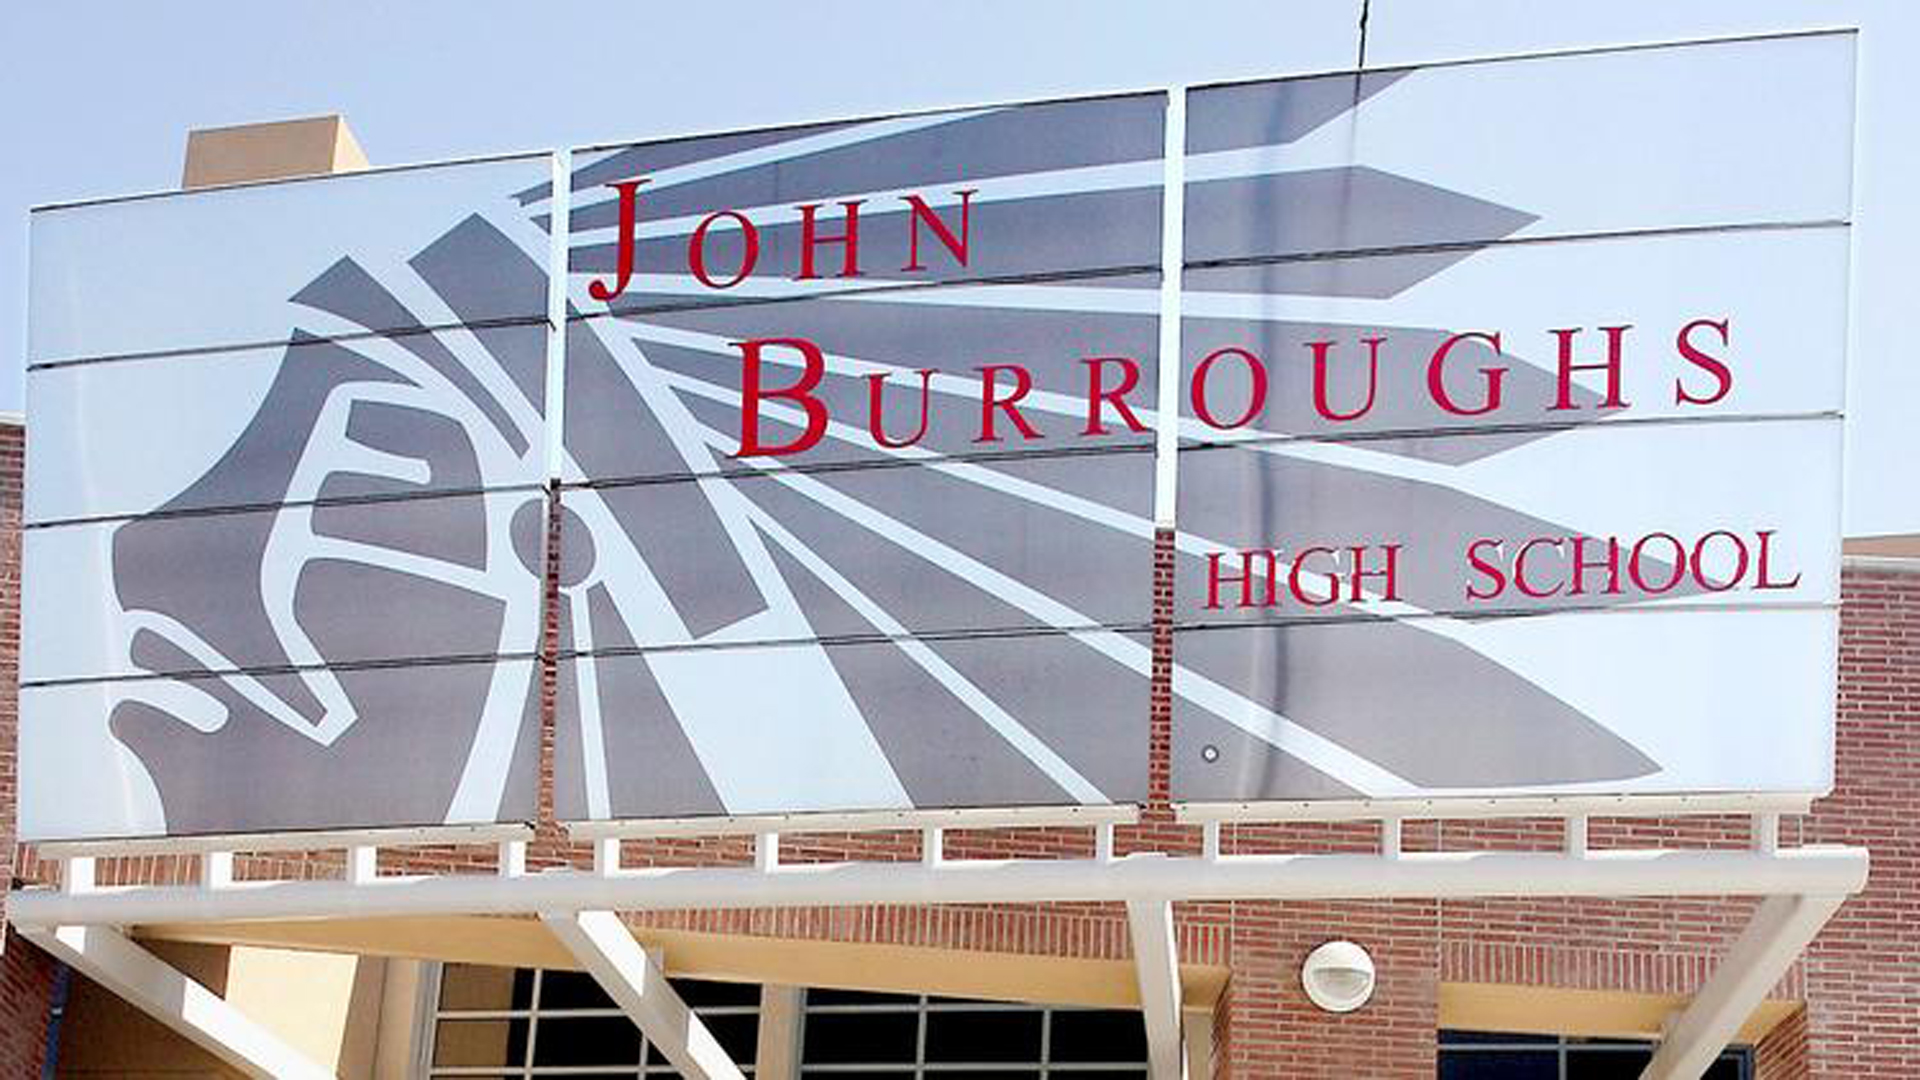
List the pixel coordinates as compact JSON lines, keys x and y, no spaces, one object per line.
{"x":1520,"y":567}
{"x":1022,"y":382}
{"x":697,"y":249}
{"x":1723,"y":377}
{"x":629,"y":209}
{"x":876,"y":389}
{"x":1766,"y":553}
{"x":848,"y":239}
{"x":1581,"y":564}
{"x":1700,"y":563}
{"x":1256,"y":370}
{"x":751,"y":393}
{"x":1361,"y":573}
{"x":1293,"y":579}
{"x":1616,"y":336}
{"x":1485,"y":568}
{"x":920,"y":211}
{"x":1320,"y":351}
{"x":1436,"y":382}
{"x":1678,"y":559}
{"x":1117,"y":397}
{"x":1246,"y":578}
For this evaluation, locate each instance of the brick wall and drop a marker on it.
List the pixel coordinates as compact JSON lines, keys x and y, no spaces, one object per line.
{"x":26,"y":974}
{"x":1861,"y":978}
{"x":1863,"y":974}
{"x":12,"y":461}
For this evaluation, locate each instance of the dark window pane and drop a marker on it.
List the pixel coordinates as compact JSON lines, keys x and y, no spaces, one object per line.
{"x":1059,"y":1073}
{"x":480,"y":1042}
{"x":737,"y":1033}
{"x":835,"y":1074}
{"x":981,"y":1074}
{"x":880,"y":1038}
{"x":1620,"y":1062}
{"x":702,"y":992}
{"x":1106,"y":1035}
{"x":1500,"y":1065}
{"x":995,"y":1035}
{"x":1735,"y":1064}
{"x":821,"y":995}
{"x":572,"y":990}
{"x":586,"y":1040}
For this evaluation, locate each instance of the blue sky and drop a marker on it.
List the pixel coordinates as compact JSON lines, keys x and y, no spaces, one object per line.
{"x":100,"y":96}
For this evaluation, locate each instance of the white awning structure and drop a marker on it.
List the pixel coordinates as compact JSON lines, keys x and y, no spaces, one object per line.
{"x":1802,"y":888}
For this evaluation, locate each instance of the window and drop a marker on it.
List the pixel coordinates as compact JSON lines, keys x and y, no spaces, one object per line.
{"x":858,"y":1036}
{"x":1474,"y":1055}
{"x":492,"y":1023}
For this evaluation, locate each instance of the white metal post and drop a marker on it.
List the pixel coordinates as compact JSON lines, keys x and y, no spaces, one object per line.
{"x":604,"y":946}
{"x":1765,"y":949}
{"x":777,"y":1051}
{"x":1156,"y":964}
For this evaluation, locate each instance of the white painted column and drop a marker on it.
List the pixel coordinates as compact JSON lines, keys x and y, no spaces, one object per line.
{"x":1157,"y":966}
{"x":777,"y":1055}
{"x":1765,"y":949}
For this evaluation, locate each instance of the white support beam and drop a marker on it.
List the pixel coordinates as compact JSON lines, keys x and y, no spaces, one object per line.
{"x":1007,"y":817}
{"x":604,"y":946}
{"x":216,"y":869}
{"x":1765,"y":949}
{"x":1469,"y":808}
{"x":330,"y":840}
{"x":1826,"y":871}
{"x":606,"y":855}
{"x":1156,"y":964}
{"x":777,"y":1051}
{"x":363,"y":863}
{"x":513,"y":858}
{"x":162,"y":992}
{"x":76,"y":874}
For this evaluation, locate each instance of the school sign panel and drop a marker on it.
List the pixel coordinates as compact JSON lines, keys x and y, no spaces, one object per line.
{"x":1487,"y":417}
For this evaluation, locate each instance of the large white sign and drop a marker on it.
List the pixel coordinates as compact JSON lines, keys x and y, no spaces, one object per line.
{"x":1505,"y":432}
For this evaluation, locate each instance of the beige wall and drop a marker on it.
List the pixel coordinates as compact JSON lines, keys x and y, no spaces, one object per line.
{"x":1894,"y":547}
{"x":231,"y":155}
{"x":104,"y":1038}
{"x":327,"y":1006}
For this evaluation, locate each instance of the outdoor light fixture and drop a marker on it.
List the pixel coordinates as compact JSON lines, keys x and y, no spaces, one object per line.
{"x":1338,"y":976}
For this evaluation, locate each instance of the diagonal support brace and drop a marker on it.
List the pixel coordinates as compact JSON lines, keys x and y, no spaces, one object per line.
{"x":606,"y":948}
{"x":158,"y":989}
{"x":1156,"y":964}
{"x":1780,"y":929}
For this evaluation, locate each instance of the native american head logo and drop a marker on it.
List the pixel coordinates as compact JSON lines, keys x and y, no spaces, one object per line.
{"x":937,"y":625}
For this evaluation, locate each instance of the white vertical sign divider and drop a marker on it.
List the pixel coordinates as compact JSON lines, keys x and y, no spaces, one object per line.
{"x":1173,"y":233}
{"x":559,"y":231}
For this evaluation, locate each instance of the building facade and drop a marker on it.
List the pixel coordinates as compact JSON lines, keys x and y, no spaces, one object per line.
{"x":1517,"y":987}
{"x":1530,"y":985}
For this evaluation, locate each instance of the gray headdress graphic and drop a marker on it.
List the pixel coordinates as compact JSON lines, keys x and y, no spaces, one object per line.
{"x":946,"y":624}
